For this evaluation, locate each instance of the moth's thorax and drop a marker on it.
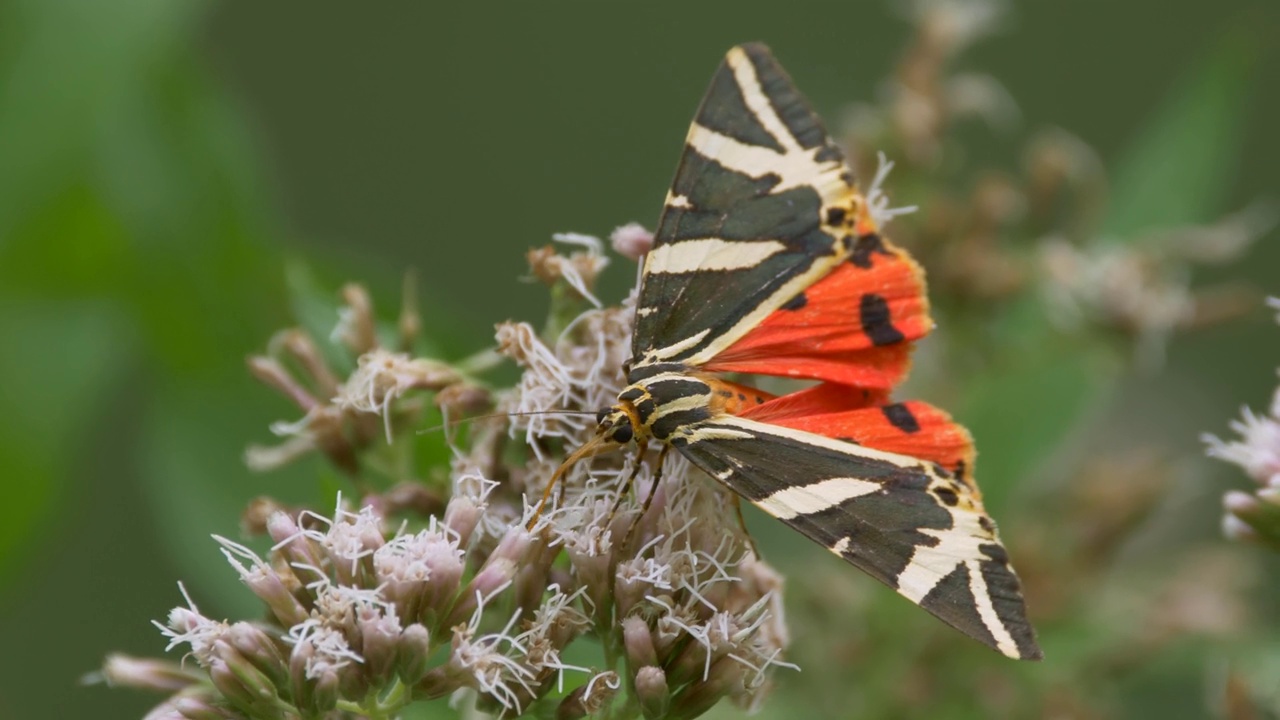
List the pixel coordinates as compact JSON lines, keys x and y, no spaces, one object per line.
{"x":662,"y":404}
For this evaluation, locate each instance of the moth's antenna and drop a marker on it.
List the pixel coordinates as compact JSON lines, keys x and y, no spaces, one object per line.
{"x":453,"y":423}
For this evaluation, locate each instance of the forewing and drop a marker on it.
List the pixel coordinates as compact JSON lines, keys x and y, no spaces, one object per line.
{"x":760,"y":208}
{"x":905,"y":522}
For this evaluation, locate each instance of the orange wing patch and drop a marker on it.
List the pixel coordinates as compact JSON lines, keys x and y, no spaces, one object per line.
{"x":865,"y":417}
{"x":854,"y":326}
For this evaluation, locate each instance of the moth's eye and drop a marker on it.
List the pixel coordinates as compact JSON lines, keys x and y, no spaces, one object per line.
{"x":623,"y":434}
{"x":601,"y":414}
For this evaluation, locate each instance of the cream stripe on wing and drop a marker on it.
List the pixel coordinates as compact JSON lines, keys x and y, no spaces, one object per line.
{"x":689,"y":402}
{"x":757,"y":102}
{"x":796,"y":168}
{"x":815,"y":497}
{"x":686,"y":256}
{"x":675,"y":348}
{"x":987,"y":611}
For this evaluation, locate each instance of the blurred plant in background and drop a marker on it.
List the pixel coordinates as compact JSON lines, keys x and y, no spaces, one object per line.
{"x":1054,"y":276}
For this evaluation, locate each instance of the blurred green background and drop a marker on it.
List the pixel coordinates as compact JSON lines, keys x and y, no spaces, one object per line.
{"x":162,"y":163}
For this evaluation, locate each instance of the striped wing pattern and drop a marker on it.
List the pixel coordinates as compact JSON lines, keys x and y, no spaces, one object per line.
{"x":762,"y":208}
{"x":905,"y":522}
{"x":745,"y":213}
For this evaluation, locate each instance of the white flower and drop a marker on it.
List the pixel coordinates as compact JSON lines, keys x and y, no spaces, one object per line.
{"x":1258,"y":449}
{"x":187,"y":625}
{"x":331,"y":652}
{"x":878,"y":201}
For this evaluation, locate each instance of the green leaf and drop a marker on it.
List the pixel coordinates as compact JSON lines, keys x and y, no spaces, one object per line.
{"x":1179,"y":168}
{"x":1022,"y":410}
{"x":59,"y":361}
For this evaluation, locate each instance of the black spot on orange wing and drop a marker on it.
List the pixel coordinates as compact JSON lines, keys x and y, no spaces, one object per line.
{"x":864,"y":247}
{"x":900,"y":416}
{"x":874,"y":314}
{"x":797,"y":302}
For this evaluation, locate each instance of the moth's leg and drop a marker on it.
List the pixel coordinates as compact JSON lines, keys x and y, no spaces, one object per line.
{"x":623,"y":491}
{"x":592,"y":446}
{"x":657,"y":479}
{"x":648,"y":500}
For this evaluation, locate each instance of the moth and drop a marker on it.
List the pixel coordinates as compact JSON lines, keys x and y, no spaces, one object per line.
{"x":767,"y":261}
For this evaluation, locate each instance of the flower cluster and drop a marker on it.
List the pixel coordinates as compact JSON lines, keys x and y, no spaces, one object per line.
{"x":1255,"y":516}
{"x":632,"y":558}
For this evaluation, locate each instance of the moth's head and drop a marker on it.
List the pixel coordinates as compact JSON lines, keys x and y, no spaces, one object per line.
{"x":617,"y":423}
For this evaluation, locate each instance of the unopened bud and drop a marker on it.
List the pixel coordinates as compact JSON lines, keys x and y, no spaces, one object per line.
{"x":354,"y":681}
{"x":298,"y":551}
{"x":638,"y":642}
{"x":631,"y":241}
{"x":196,"y":707}
{"x":273,"y":590}
{"x":380,"y":635}
{"x":725,"y":676}
{"x":274,"y":375}
{"x":497,"y":573}
{"x":242,"y":684}
{"x":652,"y":692}
{"x":145,"y":674}
{"x":256,"y":647}
{"x":299,"y":345}
{"x":530,"y":582}
{"x":325,"y":696}
{"x":461,"y":516}
{"x":411,"y":653}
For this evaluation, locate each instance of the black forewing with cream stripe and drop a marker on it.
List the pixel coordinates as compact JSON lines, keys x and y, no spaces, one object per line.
{"x":741,"y":232}
{"x":906,"y":523}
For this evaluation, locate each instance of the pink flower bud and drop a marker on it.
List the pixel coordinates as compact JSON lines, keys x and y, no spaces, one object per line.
{"x":412,"y":653}
{"x":631,"y":240}
{"x":652,"y":692}
{"x":146,"y":674}
{"x":260,"y":650}
{"x":638,"y":642}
